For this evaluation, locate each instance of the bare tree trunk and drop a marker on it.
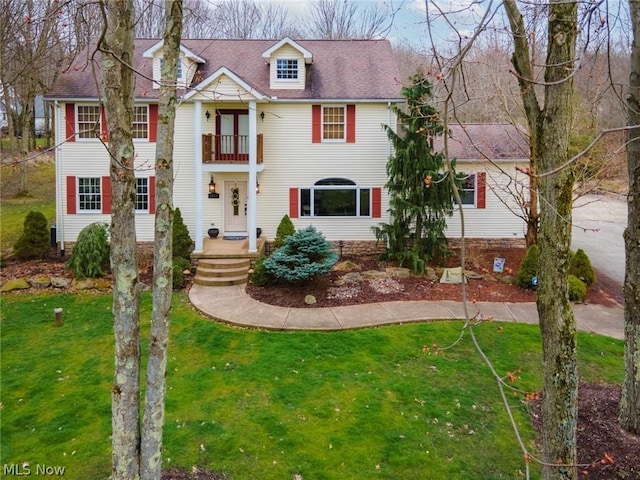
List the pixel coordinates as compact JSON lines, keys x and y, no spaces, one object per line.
{"x":153,"y":421}
{"x":630,"y":401}
{"x":119,"y":84}
{"x":550,"y":128}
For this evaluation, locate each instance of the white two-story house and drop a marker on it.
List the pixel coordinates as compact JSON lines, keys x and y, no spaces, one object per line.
{"x":266,"y":128}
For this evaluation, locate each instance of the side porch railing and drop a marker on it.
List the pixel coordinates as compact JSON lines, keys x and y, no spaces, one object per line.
{"x":229,"y":148}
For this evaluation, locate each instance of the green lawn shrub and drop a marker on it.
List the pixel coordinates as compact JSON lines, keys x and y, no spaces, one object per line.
{"x":305,"y":254}
{"x":577,"y":289}
{"x":528,"y":268}
{"x":182,"y":242}
{"x":285,"y":229}
{"x":260,"y":276}
{"x":581,"y":267}
{"x":90,"y":255}
{"x":179,"y":266}
{"x":34,"y":241}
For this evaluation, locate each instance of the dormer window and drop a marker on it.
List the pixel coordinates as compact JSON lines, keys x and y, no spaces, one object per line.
{"x":178,"y":73}
{"x":287,"y":69}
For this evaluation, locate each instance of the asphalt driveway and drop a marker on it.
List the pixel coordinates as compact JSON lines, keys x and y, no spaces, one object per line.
{"x":598,"y":225}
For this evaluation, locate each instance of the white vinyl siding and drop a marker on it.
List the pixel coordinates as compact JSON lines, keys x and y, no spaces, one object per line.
{"x":290,"y":54}
{"x":497,"y":219}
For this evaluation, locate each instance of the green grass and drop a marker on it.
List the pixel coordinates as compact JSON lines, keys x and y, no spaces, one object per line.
{"x":14,"y":209}
{"x":266,"y":405}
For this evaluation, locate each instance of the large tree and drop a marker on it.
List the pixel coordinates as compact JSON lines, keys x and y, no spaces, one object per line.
{"x":630,"y":401}
{"x":118,"y":78}
{"x":420,"y":196}
{"x":549,"y":125}
{"x":153,"y":420}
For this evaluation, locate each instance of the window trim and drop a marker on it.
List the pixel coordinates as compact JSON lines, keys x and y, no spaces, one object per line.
{"x":147,"y":194}
{"x":147,"y":123}
{"x":80,"y":131}
{"x":79,"y":200}
{"x":320,"y":185}
{"x":464,"y":177}
{"x":343,"y":123}
{"x":287,"y":70}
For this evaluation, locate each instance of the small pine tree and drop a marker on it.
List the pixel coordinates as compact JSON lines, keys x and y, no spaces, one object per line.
{"x":179,"y":266}
{"x":90,"y":255}
{"x":182,"y":243}
{"x":581,"y":267}
{"x":285,"y":229}
{"x":306,"y":254}
{"x":576,"y":288}
{"x":528,"y":268}
{"x":34,"y":241}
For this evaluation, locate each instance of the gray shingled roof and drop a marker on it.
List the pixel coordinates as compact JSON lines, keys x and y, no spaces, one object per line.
{"x":476,"y":141}
{"x":341,"y":69}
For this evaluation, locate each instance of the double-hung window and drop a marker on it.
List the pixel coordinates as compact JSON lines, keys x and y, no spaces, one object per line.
{"x":287,"y":69}
{"x":89,"y":194}
{"x":179,"y":68}
{"x":140,"y":127}
{"x":333,"y":123}
{"x":142,"y":194}
{"x":468,"y":189}
{"x":89,"y":121}
{"x":335,"y":197}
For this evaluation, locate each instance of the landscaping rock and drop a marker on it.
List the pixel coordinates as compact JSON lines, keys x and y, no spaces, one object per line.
{"x":374,"y":274}
{"x":15,"y":284}
{"x":431,"y":274}
{"x":351,"y":277}
{"x":398,"y":272}
{"x":508,"y":279}
{"x":91,"y":283}
{"x":40,"y":281}
{"x":471,"y":275}
{"x":60,"y":282}
{"x":310,"y":300}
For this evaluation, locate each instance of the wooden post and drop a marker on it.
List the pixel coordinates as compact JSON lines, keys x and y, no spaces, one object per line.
{"x":58,"y":315}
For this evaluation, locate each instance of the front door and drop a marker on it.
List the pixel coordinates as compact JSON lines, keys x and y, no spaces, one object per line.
{"x":235,"y":209}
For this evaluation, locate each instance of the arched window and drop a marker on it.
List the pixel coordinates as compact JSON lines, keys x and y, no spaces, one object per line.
{"x":335,"y":197}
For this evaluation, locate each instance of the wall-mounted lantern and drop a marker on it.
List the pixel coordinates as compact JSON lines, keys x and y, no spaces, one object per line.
{"x":207,"y":114}
{"x":212,"y":189}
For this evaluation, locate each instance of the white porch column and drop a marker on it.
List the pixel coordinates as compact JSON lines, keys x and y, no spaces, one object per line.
{"x":251,"y":187}
{"x":197,"y":159}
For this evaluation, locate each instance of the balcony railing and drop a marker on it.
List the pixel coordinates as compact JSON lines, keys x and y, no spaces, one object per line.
{"x":229,"y":148}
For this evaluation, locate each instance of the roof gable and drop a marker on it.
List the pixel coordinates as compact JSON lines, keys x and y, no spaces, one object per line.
{"x":217,"y":75}
{"x":151,"y":52}
{"x":306,"y":54}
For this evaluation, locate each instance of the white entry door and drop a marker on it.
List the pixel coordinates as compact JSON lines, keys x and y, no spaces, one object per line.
{"x":235,"y":208}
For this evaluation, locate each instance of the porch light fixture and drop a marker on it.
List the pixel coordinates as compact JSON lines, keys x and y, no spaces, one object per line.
{"x":257,"y":186}
{"x":262,"y":116}
{"x":207,"y":114}
{"x":212,"y":189}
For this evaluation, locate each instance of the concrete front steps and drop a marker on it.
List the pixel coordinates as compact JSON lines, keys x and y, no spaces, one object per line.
{"x":221,"y":272}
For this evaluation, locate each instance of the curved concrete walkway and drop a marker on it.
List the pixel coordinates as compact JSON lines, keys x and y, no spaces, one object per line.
{"x":233,"y":305}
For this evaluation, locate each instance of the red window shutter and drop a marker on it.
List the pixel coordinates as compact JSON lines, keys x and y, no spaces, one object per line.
{"x":351,"y":123}
{"x":152,"y":195}
{"x":316,"y":123}
{"x":104,"y":131}
{"x":70,"y":122}
{"x":153,"y":122}
{"x":376,"y":202}
{"x":71,"y":195}
{"x":106,"y":194}
{"x":481,"y":194}
{"x":293,"y":203}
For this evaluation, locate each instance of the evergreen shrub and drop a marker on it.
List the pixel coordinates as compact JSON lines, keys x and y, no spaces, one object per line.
{"x":260,"y":276}
{"x":305,"y":254}
{"x":528,"y":268}
{"x":34,"y":241}
{"x":90,"y":256}
{"x":182,"y":243}
{"x":577,"y":289}
{"x":581,"y":267}
{"x":285,"y":229}
{"x":179,"y":266}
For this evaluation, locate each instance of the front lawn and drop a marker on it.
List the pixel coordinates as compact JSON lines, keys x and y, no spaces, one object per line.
{"x":377,"y":403}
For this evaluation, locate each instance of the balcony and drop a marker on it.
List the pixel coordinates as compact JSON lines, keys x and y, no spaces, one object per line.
{"x":229,"y":148}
